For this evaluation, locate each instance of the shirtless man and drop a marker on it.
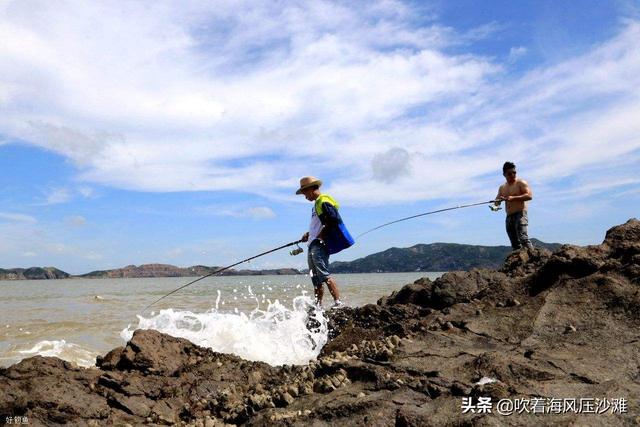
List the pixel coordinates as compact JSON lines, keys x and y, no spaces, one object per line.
{"x":515,"y":192}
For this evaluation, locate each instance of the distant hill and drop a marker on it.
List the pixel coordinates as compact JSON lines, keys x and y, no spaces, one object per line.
{"x":421,"y":257}
{"x":134,"y":271}
{"x":166,"y":270}
{"x":33,"y":273}
{"x":432,"y":257}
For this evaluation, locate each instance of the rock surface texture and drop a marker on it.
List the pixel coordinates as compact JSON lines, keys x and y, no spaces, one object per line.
{"x":563,"y":325}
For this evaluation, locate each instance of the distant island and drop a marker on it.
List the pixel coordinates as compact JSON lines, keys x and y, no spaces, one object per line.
{"x":134,"y":271}
{"x":33,"y":273}
{"x":421,"y":257}
{"x":432,"y":257}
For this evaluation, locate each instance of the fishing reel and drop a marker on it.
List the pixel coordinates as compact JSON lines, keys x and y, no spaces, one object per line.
{"x":495,"y":208}
{"x":298,"y":250}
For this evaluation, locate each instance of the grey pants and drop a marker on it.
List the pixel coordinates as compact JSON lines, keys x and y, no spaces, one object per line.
{"x":516,"y":225}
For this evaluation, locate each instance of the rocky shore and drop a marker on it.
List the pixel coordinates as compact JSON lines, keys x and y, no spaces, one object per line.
{"x":545,"y":328}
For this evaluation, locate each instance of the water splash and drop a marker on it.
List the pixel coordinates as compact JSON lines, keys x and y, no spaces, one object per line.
{"x":55,"y":348}
{"x":277,"y":335}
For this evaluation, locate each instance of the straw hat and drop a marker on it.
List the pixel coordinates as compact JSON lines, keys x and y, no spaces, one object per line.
{"x":308,"y":181}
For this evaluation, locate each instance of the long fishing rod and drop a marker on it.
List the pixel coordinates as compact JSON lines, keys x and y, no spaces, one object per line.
{"x":223,"y":269}
{"x":426,"y":213}
{"x":300,"y":250}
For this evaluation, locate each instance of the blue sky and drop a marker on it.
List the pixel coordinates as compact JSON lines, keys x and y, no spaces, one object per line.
{"x":176,"y":132}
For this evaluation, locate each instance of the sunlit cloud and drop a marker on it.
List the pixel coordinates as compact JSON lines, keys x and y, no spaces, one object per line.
{"x":17,"y":217}
{"x":253,"y":212}
{"x":57,"y":196}
{"x":219,"y":97}
{"x":60,"y":195}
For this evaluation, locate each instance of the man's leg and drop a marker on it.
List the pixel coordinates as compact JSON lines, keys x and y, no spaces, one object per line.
{"x":318,"y":292}
{"x":333,"y":288}
{"x":321,"y":261}
{"x":522,"y":232}
{"x":315,"y":278}
{"x":510,"y":225}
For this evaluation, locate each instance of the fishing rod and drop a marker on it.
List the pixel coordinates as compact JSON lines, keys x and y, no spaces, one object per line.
{"x":430,"y":213}
{"x":297,"y":251}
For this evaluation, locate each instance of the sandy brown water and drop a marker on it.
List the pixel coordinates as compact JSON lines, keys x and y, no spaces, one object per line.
{"x":77,"y":319}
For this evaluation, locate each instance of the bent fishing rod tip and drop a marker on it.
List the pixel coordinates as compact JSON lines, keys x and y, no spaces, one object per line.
{"x":220,"y":270}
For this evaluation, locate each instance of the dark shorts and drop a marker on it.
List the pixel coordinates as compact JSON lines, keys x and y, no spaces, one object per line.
{"x":318,"y":259}
{"x":516,"y":225}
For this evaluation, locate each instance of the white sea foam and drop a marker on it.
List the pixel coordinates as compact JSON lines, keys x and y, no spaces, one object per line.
{"x":277,"y":335}
{"x":57,"y":348}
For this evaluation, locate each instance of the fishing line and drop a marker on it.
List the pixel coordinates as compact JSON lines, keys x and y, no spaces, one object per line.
{"x":223,"y":269}
{"x":428,"y":213}
{"x":298,"y":250}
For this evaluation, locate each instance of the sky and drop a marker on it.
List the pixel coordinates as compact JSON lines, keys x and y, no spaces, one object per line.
{"x":176,"y":132}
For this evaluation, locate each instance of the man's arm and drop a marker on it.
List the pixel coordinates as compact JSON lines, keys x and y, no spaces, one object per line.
{"x":499,"y":197}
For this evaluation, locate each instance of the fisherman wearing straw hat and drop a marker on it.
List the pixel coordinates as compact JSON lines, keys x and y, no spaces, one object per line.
{"x":327,"y":235}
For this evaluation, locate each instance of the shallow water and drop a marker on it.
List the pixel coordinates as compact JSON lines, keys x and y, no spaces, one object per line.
{"x":256,"y":317}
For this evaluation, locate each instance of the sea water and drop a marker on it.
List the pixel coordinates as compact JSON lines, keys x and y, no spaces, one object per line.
{"x":261,"y":318}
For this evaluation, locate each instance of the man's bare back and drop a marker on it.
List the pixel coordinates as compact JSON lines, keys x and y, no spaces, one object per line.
{"x":518,"y":188}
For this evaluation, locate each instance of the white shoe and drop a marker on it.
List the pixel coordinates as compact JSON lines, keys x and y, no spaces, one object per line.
{"x":337,"y":304}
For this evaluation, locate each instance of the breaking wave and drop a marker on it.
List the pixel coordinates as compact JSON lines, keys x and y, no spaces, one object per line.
{"x":277,"y":335}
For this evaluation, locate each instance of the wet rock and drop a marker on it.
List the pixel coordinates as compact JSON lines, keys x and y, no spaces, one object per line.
{"x":110,"y":360}
{"x":151,"y":351}
{"x":60,"y":389}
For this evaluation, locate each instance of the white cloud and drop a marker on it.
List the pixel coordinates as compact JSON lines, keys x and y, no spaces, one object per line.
{"x":61,"y":195}
{"x":17,"y":217}
{"x":160,"y":99}
{"x":254,"y":212}
{"x":219,"y":97}
{"x":390,"y":165}
{"x":57,"y":196}
{"x":516,"y":53}
{"x":86,"y":192}
{"x":261,"y":212}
